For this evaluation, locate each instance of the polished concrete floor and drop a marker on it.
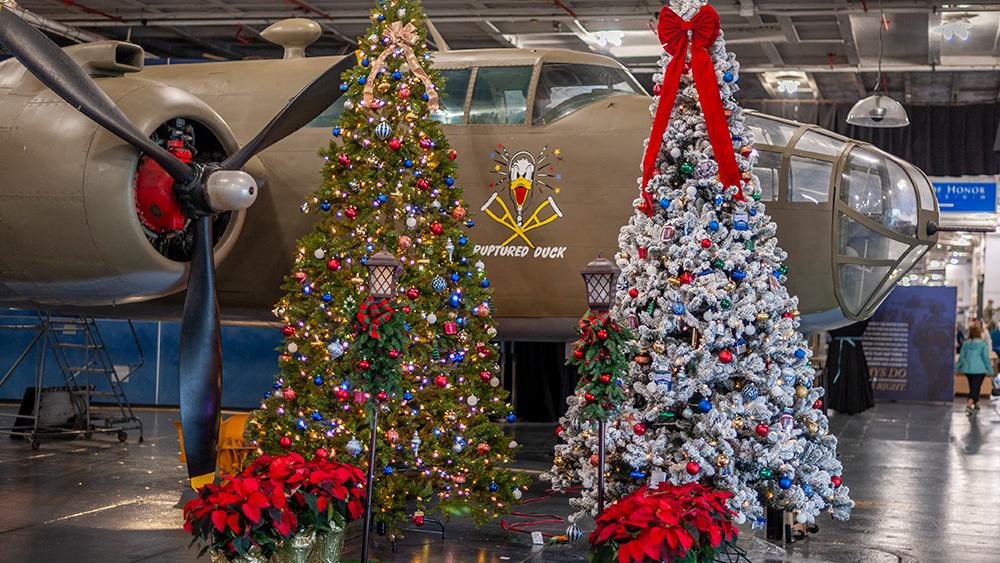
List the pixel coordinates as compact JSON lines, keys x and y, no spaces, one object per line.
{"x":926,"y":480}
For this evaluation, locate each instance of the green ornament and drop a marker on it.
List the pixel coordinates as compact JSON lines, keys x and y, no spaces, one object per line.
{"x":651,"y":307}
{"x":749,"y":245}
{"x":435,"y":352}
{"x":725,"y":303}
{"x":668,"y":414}
{"x":766,"y":473}
{"x":687,"y":168}
{"x":756,"y":197}
{"x":783,"y":269}
{"x":718,"y":263}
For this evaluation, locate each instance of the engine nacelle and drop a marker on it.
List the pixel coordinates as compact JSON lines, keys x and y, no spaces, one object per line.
{"x":69,"y":228}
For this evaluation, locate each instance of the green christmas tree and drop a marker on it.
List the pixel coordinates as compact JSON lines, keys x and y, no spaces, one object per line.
{"x":389,"y":183}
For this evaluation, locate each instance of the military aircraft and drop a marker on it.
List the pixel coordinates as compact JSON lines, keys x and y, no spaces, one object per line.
{"x":549,"y":145}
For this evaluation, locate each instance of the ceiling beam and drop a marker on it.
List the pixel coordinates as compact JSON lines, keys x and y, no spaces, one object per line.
{"x":934,"y":38}
{"x":788,"y":27}
{"x":768,"y":47}
{"x":847,"y":34}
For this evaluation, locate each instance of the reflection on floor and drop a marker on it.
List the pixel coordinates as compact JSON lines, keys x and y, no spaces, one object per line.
{"x":924,"y":476}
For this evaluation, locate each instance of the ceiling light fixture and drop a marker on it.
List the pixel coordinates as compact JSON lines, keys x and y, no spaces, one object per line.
{"x":878,"y":110}
{"x":604,"y":38}
{"x":789,"y":86}
{"x":960,"y":28}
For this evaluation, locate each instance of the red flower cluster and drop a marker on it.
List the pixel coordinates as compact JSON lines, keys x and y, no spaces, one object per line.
{"x":273,"y":499}
{"x":665,"y":524}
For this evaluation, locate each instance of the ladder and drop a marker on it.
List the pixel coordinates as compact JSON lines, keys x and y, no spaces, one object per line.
{"x":87,"y":371}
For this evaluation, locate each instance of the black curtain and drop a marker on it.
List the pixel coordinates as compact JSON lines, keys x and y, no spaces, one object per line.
{"x":944,"y":140}
{"x":542,"y":378}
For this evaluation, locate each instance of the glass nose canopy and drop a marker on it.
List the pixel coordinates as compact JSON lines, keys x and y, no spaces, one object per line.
{"x":878,"y":228}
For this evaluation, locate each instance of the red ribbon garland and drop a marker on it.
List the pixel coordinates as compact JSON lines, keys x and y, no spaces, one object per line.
{"x":673,"y":33}
{"x":372,"y":315}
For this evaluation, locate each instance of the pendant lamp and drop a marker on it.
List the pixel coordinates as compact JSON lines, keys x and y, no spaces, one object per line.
{"x":878,"y":110}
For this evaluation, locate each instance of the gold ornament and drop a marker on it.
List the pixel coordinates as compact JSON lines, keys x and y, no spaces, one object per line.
{"x":739,"y":383}
{"x":738,"y":423}
{"x":643,"y":359}
{"x":812,"y":427}
{"x":722,"y":460}
{"x":383,"y":87}
{"x":801,"y":392}
{"x":658,"y":347}
{"x":674,"y":281}
{"x":763,"y":316}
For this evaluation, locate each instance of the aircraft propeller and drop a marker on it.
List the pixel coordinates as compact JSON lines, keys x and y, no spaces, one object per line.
{"x":204,"y":190}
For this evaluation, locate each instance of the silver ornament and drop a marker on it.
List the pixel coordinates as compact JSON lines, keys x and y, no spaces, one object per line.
{"x":354,"y":447}
{"x":574,"y":533}
{"x":335,"y":349}
{"x":383,"y":130}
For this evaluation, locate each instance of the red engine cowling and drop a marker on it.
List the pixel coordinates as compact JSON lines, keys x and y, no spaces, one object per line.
{"x":155,"y":201}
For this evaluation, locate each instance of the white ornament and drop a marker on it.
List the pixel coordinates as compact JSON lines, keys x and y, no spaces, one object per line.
{"x":512,"y":444}
{"x":411,"y":222}
{"x":293,"y":347}
{"x":480,"y":266}
{"x":494,"y":382}
{"x":335,"y":349}
{"x":319,"y":254}
{"x":517,"y":494}
{"x":354,"y":447}
{"x":431,"y":318}
{"x":472,"y":400}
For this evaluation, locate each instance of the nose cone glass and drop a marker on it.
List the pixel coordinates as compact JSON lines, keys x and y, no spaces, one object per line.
{"x":878,"y":111}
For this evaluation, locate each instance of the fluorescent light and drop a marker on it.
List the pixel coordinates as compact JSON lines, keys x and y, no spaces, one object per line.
{"x":605,"y":38}
{"x":789,"y":86}
{"x":955,"y":28}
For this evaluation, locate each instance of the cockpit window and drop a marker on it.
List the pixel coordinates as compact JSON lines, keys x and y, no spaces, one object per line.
{"x":500,"y":95}
{"x":456,"y":86}
{"x":880,"y":189}
{"x":564,"y":88}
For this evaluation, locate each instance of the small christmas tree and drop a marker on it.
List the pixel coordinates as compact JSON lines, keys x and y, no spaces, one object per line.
{"x":722,"y":387}
{"x":389,"y":183}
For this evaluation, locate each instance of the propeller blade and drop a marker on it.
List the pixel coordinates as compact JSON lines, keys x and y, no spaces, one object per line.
{"x":200,"y":364}
{"x":54,"y":68}
{"x":313,"y":100}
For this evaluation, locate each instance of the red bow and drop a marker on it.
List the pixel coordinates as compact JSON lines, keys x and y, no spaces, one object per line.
{"x":673,"y":32}
{"x":372,"y":315}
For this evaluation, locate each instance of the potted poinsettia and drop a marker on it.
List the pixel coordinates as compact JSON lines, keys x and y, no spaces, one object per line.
{"x":673,"y":524}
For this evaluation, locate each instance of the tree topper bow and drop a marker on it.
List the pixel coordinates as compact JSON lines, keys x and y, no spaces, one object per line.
{"x":401,"y":37}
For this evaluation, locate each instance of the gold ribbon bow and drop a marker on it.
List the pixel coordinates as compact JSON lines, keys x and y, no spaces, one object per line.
{"x":403,"y":37}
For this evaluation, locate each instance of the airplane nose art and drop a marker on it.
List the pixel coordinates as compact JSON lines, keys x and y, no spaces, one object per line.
{"x":520,"y":187}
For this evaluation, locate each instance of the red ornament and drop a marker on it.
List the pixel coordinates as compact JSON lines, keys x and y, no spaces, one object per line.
{"x":436,"y":229}
{"x":645,"y":208}
{"x":706,"y":243}
{"x":301,"y":277}
{"x":381,"y":396}
{"x":288,"y":331}
{"x":342,"y":394}
{"x":418,"y":518}
{"x":763,"y":430}
{"x":285,"y":442}
{"x":423,"y":184}
{"x":450,"y":328}
{"x":332,"y":264}
{"x":393,"y":354}
{"x":344,"y":160}
{"x":605,"y":378}
{"x":289,"y":394}
{"x":578,"y":353}
{"x":426,"y":143}
{"x":321,"y":453}
{"x":656,"y":89}
{"x":406,"y":308}
{"x":633,"y":293}
{"x":788,"y":315}
{"x":441,"y":381}
{"x":837,"y":481}
{"x":643,"y":253}
{"x":483,"y":448}
{"x":483,"y":350}
{"x":351,"y":213}
{"x":746,"y":151}
{"x":485,"y":376}
{"x":404,"y":92}
{"x":818,"y":404}
{"x":363,"y":365}
{"x":458,"y":213}
{"x":639,"y":429}
{"x":602,"y":334}
{"x":452,"y":155}
{"x":693,"y":468}
{"x":590,"y":398}
{"x":686,"y":278}
{"x":725,"y":356}
{"x":594,"y":460}
{"x":413,"y":293}
{"x":395,"y":144}
{"x":559,"y":430}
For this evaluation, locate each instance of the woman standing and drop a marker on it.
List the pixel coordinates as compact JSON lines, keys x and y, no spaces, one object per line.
{"x":974,"y":362}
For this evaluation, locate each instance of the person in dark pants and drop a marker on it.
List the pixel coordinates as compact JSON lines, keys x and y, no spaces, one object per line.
{"x":974,"y":362}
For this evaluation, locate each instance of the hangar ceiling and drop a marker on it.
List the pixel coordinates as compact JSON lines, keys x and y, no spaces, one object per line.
{"x":935,"y":52}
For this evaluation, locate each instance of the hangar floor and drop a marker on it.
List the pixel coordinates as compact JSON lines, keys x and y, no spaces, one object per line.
{"x":924,"y":478}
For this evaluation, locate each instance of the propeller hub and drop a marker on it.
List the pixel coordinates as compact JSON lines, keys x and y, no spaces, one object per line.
{"x":230,"y":190}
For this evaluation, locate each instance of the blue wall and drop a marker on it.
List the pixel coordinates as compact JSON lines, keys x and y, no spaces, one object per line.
{"x":249,"y":361}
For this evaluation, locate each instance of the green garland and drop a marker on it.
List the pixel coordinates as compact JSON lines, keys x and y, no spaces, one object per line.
{"x":601,"y":357}
{"x":377,"y":349}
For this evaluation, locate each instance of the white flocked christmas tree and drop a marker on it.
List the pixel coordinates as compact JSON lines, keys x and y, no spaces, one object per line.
{"x":721,"y":389}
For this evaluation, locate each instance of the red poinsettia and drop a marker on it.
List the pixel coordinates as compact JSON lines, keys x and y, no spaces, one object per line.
{"x":671,"y":523}
{"x":271,"y":500}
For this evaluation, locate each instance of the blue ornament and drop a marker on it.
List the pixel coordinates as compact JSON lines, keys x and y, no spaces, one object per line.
{"x":380,"y":18}
{"x":462,"y":241}
{"x":383,"y":130}
{"x":704,"y":405}
{"x":365,"y":62}
{"x":382,"y":198}
{"x":460,"y":321}
{"x":325,"y":206}
{"x":728,"y":77}
{"x":317,"y":416}
{"x":750,"y":393}
{"x":336,"y":131}
{"x":343,"y":87}
{"x":485,"y":283}
{"x":318,"y":381}
{"x":396,"y":75}
{"x":678,"y":309}
{"x":470,"y":223}
{"x":362,"y":80}
{"x":785,"y":482}
{"x":335,"y":349}
{"x":800,"y":353}
{"x":713,"y":226}
{"x":454,"y":277}
{"x":807,"y":489}
{"x":739,"y":275}
{"x":719,"y":200}
{"x":449,"y":181}
{"x":637,"y":474}
{"x":407,"y":396}
{"x":307,"y":289}
{"x":664,"y":203}
{"x":424,"y":97}
{"x":493,"y":487}
{"x":511,"y":418}
{"x":387,"y":470}
{"x":301,"y":424}
{"x":408,"y":163}
{"x":327,"y":297}
{"x":455,"y":300}
{"x":276,"y":385}
{"x":438,"y":284}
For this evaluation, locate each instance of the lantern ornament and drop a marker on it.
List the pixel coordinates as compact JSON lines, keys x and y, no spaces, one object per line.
{"x":383,"y":272}
{"x":599,"y":277}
